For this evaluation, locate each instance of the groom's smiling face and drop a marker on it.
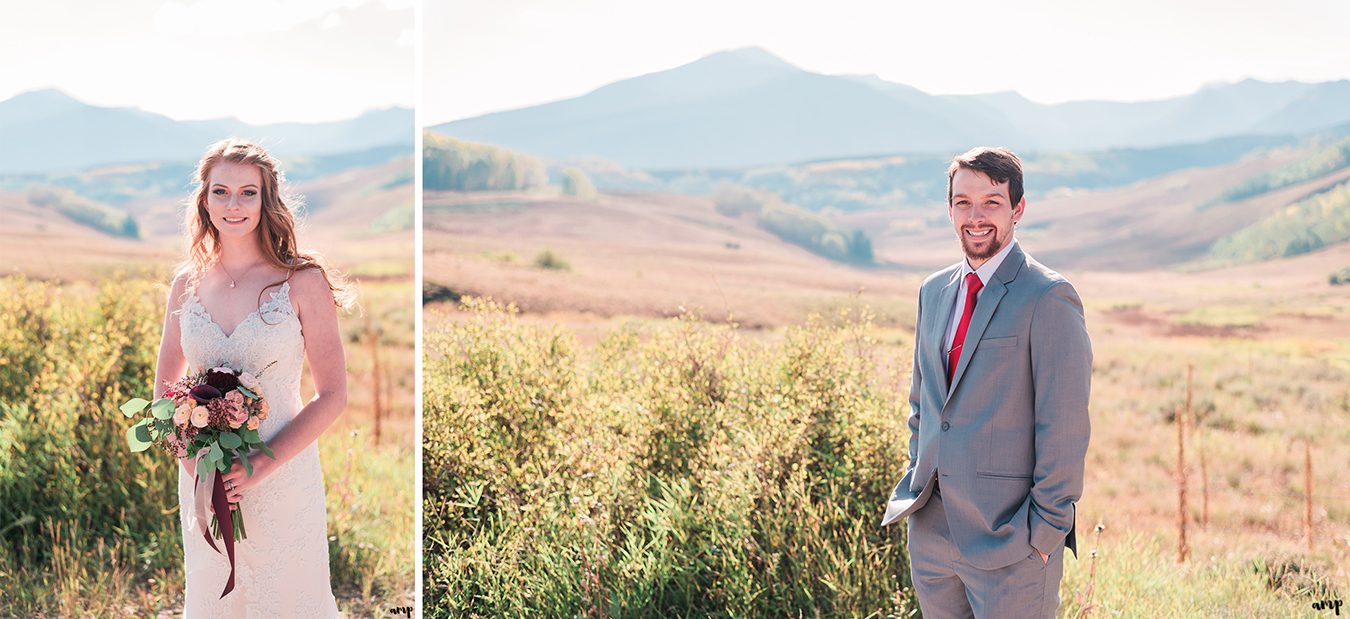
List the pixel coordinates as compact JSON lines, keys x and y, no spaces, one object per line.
{"x":982,"y":214}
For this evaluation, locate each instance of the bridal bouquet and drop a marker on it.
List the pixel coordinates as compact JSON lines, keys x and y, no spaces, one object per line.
{"x":212,"y":414}
{"x":214,"y":417}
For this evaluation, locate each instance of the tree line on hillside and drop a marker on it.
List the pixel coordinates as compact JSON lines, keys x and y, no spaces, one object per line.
{"x":1331,"y":158}
{"x":1307,"y":225}
{"x":84,"y":211}
{"x":457,"y":165}
{"x":794,"y":224}
{"x":918,"y":179}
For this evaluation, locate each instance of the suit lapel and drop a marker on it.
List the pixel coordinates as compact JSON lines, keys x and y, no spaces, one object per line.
{"x":937,"y":326}
{"x":984,"y":311}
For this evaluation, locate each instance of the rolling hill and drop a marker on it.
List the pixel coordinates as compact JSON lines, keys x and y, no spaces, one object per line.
{"x":40,"y":242}
{"x":652,"y":253}
{"x":360,"y":217}
{"x":640,"y":254}
{"x":659,"y":255}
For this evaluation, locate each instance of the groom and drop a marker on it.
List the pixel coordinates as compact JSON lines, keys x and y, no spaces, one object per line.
{"x":998,"y":412}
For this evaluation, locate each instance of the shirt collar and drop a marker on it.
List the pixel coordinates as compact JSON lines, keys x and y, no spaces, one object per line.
{"x":990,"y":266}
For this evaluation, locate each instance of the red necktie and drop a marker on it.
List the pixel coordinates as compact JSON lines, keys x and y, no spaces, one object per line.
{"x":973,"y":286}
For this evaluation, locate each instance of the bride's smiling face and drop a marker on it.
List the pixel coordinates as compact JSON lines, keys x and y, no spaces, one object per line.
{"x":234,"y":198}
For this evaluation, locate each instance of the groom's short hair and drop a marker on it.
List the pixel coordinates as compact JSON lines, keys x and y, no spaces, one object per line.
{"x":999,"y":164}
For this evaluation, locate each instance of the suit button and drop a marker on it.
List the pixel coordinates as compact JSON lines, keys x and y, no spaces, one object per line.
{"x":946,"y":426}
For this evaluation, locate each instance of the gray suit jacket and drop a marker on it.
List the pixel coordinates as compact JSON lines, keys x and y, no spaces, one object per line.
{"x":1010,"y":435}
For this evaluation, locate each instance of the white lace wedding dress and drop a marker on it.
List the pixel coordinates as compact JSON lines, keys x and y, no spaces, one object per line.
{"x":282,"y":568}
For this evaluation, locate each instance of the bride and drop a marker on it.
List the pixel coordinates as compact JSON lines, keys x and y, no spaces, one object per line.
{"x":246,"y":298}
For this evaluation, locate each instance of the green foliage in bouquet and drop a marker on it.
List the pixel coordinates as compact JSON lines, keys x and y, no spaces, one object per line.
{"x":220,"y":450}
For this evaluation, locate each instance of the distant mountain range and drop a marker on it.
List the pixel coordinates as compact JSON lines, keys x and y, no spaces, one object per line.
{"x":748,"y":107}
{"x":48,"y":131}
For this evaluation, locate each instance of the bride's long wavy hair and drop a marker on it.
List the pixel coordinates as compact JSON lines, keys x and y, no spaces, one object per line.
{"x":276,"y":227}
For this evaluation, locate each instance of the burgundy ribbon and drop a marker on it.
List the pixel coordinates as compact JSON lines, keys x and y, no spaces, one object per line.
{"x":220,"y":506}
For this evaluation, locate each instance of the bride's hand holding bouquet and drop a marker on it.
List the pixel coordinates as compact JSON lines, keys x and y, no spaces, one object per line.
{"x":211,"y":419}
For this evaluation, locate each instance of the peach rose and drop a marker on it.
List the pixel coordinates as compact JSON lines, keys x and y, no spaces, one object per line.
{"x":200,"y":416}
{"x":252,"y":423}
{"x":262,"y":409}
{"x":182,"y":414}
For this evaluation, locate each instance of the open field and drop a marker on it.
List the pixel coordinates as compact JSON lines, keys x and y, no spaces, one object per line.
{"x":1269,"y":344}
{"x":646,"y":255}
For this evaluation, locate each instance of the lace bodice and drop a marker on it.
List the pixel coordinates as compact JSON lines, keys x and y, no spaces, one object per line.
{"x":269,"y":335}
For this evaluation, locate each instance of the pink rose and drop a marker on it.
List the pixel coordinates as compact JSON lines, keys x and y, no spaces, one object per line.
{"x":250,"y":382}
{"x":235,"y":397}
{"x":237,"y":414}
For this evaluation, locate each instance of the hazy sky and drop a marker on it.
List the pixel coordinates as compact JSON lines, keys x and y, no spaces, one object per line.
{"x":503,"y":54}
{"x":257,"y":60}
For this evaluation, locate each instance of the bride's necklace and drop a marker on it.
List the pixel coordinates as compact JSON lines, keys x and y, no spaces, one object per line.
{"x":227,"y":271}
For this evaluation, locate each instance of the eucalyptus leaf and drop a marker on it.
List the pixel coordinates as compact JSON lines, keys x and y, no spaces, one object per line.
{"x":138,"y":438}
{"x":267,"y":450}
{"x":246,"y":391}
{"x":204,"y":466}
{"x":230,"y":440}
{"x":162,"y":408}
{"x":215,"y":454}
{"x":243,"y":457}
{"x":133,"y":406}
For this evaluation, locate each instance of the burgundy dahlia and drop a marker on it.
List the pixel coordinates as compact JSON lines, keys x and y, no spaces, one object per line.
{"x":224,"y":381}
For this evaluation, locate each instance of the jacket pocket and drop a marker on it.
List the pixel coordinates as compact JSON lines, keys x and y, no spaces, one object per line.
{"x":1001,"y":475}
{"x":998,"y":342}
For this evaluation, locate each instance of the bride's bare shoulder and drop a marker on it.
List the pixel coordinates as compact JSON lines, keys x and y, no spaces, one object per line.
{"x":178,"y":288}
{"x":309,"y":290}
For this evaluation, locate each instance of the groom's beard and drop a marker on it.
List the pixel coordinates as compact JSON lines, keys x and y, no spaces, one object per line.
{"x":974,"y":252}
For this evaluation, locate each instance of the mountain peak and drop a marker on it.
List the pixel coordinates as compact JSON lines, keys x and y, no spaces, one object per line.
{"x":35,"y":105}
{"x":749,"y":55}
{"x":44,"y":96}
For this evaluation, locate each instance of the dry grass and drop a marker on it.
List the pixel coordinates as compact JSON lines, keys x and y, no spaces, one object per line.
{"x":638,"y":255}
